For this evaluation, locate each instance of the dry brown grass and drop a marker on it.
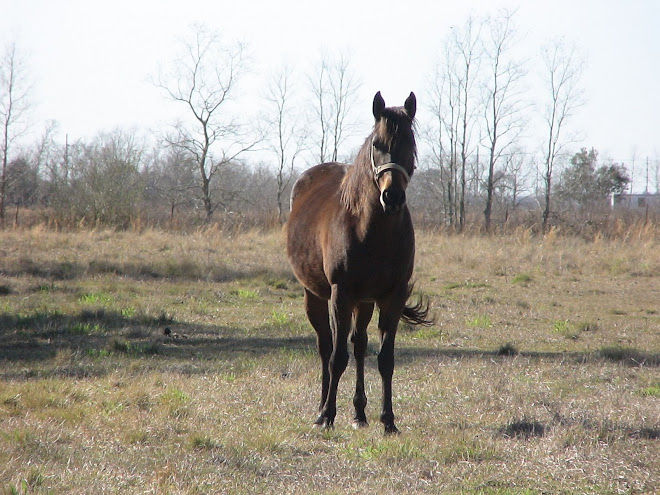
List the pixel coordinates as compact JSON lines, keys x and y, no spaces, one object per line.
{"x":541,"y":374}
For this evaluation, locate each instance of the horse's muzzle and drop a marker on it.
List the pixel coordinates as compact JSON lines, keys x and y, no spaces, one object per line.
{"x":393,"y":200}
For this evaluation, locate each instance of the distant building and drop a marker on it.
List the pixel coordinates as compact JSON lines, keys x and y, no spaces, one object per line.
{"x":637,"y":202}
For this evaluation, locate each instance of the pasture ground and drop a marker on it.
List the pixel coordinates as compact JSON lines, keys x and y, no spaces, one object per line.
{"x":166,"y":363}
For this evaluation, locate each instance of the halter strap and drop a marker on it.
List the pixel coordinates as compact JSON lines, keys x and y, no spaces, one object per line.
{"x":381,"y":169}
{"x":390,"y":166}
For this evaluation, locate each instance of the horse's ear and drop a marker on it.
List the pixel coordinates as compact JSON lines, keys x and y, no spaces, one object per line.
{"x":411,"y":105}
{"x":379,"y":106}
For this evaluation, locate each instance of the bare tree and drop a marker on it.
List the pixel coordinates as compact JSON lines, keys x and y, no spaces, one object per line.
{"x":57,"y":166}
{"x":512,"y":180}
{"x":174,"y":178}
{"x":502,"y":99}
{"x":26,"y":182}
{"x":334,"y":89}
{"x":563,"y":72}
{"x":467,"y":45}
{"x":287,"y":133}
{"x":22,"y":183}
{"x":441,"y":137}
{"x":203,"y":80}
{"x":519,"y":168}
{"x":454,"y":105}
{"x":106,"y":182}
{"x":14,"y":91}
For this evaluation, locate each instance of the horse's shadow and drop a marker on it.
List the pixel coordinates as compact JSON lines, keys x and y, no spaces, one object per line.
{"x":89,"y":334}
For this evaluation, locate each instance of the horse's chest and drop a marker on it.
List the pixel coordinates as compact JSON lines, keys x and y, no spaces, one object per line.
{"x":370,"y":272}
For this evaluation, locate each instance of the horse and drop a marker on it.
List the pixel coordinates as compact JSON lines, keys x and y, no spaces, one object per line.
{"x":351,"y":244}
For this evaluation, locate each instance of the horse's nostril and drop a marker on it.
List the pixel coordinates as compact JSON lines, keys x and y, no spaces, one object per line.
{"x":393,"y":197}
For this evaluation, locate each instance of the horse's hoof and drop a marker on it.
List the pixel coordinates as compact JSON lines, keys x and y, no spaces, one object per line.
{"x":324,"y":423}
{"x":358,"y":424}
{"x":391,"y":430}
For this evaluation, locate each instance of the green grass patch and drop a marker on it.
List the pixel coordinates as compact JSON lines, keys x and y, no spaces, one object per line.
{"x":573,"y":331}
{"x":466,"y":285}
{"x":129,"y":312}
{"x":427,"y":333}
{"x":385,"y":450}
{"x":134,"y":349}
{"x":523,"y":279}
{"x":99,"y":353}
{"x":202,"y":442}
{"x":137,"y":437}
{"x":332,"y":435}
{"x":566,"y":329}
{"x":245,"y":293}
{"x":176,"y":401}
{"x":277,"y":284}
{"x":111,"y":407}
{"x":279,"y":318}
{"x":652,"y":391}
{"x":480,"y":321}
{"x":617,"y":266}
{"x":31,"y":483}
{"x":96,"y":298}
{"x":469,"y":450}
{"x":82,"y":328}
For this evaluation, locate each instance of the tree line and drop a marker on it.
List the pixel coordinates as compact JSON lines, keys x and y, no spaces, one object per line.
{"x":475,"y":163}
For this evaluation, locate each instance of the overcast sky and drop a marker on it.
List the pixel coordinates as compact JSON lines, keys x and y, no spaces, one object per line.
{"x":91,"y":60}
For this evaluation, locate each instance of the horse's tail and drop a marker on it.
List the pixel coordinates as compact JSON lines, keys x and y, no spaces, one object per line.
{"x":418,"y":313}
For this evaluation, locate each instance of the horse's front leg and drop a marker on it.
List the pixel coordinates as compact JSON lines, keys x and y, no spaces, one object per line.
{"x":341,"y":310}
{"x":390,"y":313}
{"x":359,"y":338}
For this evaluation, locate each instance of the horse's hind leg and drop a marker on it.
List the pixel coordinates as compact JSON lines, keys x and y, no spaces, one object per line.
{"x":390,"y":313}
{"x":362,"y":316}
{"x":317,"y":313}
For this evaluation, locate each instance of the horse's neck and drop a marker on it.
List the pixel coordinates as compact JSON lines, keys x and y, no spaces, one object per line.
{"x":361,"y":197}
{"x":358,"y":191}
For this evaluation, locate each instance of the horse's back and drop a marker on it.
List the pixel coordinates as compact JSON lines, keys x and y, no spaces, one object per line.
{"x":323,"y":180}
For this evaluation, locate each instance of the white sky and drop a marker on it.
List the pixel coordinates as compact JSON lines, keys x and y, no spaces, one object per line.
{"x":91,"y":59}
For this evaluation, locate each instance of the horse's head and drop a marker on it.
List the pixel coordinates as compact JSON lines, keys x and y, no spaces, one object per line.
{"x":393,"y":151}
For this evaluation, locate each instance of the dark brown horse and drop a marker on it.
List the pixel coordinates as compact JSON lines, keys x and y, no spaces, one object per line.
{"x":351,"y":242}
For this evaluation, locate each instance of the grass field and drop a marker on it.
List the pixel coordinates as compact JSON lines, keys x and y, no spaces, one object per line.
{"x":163,"y":363}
